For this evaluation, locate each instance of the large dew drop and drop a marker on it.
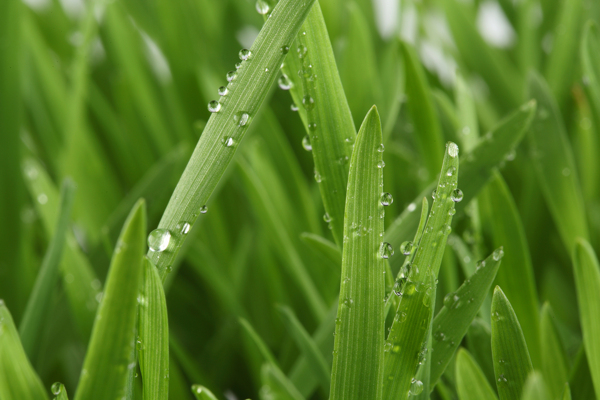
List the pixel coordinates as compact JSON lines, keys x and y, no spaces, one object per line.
{"x":306,"y":143}
{"x":284,"y":82}
{"x":386,"y":199}
{"x":231,"y":75}
{"x":56,"y":388}
{"x":416,"y":387}
{"x":498,"y":254}
{"x":386,"y":250}
{"x":214,"y":106}
{"x":245,"y":53}
{"x":262,"y":7}
{"x":223,"y":91}
{"x":452,"y":149}
{"x":241,"y":118}
{"x":406,"y":248}
{"x":457,"y":195}
{"x":158,"y":240}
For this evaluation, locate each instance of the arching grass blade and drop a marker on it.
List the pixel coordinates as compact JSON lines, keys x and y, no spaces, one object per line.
{"x":471,"y":383}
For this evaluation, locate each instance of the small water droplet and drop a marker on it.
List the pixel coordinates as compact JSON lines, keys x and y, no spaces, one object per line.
{"x":452,"y":149}
{"x":223,"y":91}
{"x":496,"y":316}
{"x":409,"y":289}
{"x":406,"y":247}
{"x":285,"y":49}
{"x":386,"y":250}
{"x":386,"y":199}
{"x":293,"y":107}
{"x":433,"y":194}
{"x":245,"y":54}
{"x":451,"y":171}
{"x":457,"y":195}
{"x":317,"y":176}
{"x":302,"y":50}
{"x":183,"y":228}
{"x":312,"y":126}
{"x":381,"y":148}
{"x":214,"y":106}
{"x":227,"y":141}
{"x":241,"y":118}
{"x":56,"y":388}
{"x":380,"y":164}
{"x":262,"y":7}
{"x":284,"y":82}
{"x":416,"y":387}
{"x":306,"y":143}
{"x":480,"y":264}
{"x":158,"y":240}
{"x":348,"y":302}
{"x":498,"y":254}
{"x":308,"y":102}
{"x":203,"y":209}
{"x":326,"y":218}
{"x":231,"y":75}
{"x":238,"y":66}
{"x":411,"y":207}
{"x":502,"y":379}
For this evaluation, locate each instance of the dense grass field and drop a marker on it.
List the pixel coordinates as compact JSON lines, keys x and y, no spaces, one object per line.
{"x":299,"y":199}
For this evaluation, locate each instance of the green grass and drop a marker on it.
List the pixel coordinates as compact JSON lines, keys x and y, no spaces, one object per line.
{"x":174,"y":230}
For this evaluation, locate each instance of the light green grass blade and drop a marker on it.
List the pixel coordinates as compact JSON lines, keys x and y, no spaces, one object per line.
{"x":278,"y":385}
{"x":357,"y":371}
{"x":471,"y":383}
{"x":307,"y":345}
{"x":153,"y":351}
{"x":587,"y":279}
{"x":323,"y":246}
{"x":535,"y":388}
{"x":512,"y":363}
{"x":47,"y":278}
{"x":590,"y":65}
{"x":466,"y":113}
{"x":60,"y":391}
{"x":555,"y":166}
{"x":18,"y":379}
{"x":225,"y":129}
{"x":452,"y":322}
{"x":327,"y":117}
{"x":421,"y":107}
{"x":567,"y":392}
{"x":516,"y":277}
{"x":476,"y":169}
{"x":202,"y":393}
{"x":554,"y":364}
{"x":109,"y":355}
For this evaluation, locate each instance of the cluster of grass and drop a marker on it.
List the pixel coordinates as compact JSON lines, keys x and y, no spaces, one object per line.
{"x":174,"y":230}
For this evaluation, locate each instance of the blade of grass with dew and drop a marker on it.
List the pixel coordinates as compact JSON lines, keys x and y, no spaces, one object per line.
{"x":424,"y":369}
{"x":153,"y":351}
{"x":590,"y":65}
{"x":428,"y":131}
{"x":202,"y":393}
{"x":18,"y":379}
{"x":452,"y":322}
{"x":79,"y":278}
{"x":555,"y":165}
{"x":357,"y":371}
{"x":307,"y":345}
{"x":587,"y":279}
{"x":319,"y":96}
{"x":225,"y":129}
{"x":535,"y":388}
{"x":108,"y":358}
{"x":37,"y":305}
{"x":516,"y":277}
{"x":60,"y":391}
{"x":476,"y":170}
{"x":471,"y":383}
{"x":326,"y":248}
{"x":554,"y":363}
{"x":512,"y":364}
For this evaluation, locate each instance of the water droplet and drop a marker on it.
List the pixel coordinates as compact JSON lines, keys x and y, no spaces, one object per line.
{"x":158,"y":240}
{"x":308,"y":102}
{"x":231,"y":75}
{"x":386,"y":250}
{"x":227,"y":141}
{"x":317,"y":176}
{"x":348,"y":302}
{"x":380,"y":164}
{"x":480,"y":264}
{"x":312,"y":126}
{"x":451,"y":211}
{"x":56,"y":388}
{"x":293,"y":107}
{"x":183,"y":228}
{"x":433,"y":194}
{"x":498,"y":254}
{"x":262,"y":7}
{"x":284,"y":82}
{"x":411,"y":207}
{"x":452,"y":149}
{"x":306,"y":143}
{"x":451,"y":171}
{"x":496,"y":316}
{"x":451,"y":300}
{"x":387,"y":347}
{"x":502,"y":379}
{"x":285,"y":49}
{"x":406,"y":248}
{"x":386,"y":199}
{"x":302,"y":50}
{"x":245,"y":54}
{"x":326,"y":217}
{"x":241,"y":118}
{"x":238,"y":66}
{"x":214,"y":106}
{"x":416,"y":387}
{"x":203,"y":209}
{"x":223,"y":91}
{"x":457,"y":195}
{"x":381,"y":148}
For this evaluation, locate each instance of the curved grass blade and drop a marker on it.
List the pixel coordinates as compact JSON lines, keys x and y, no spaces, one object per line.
{"x":18,"y":379}
{"x":278,"y":385}
{"x":512,"y":364}
{"x":554,"y":364}
{"x":225,"y":128}
{"x":307,"y":345}
{"x":587,"y":279}
{"x":535,"y":388}
{"x":202,"y":393}
{"x":466,"y":114}
{"x":60,"y":391}
{"x":47,"y":278}
{"x":153,"y":351}
{"x":590,"y":64}
{"x":471,"y":383}
{"x":108,"y":359}
{"x":516,"y":277}
{"x":318,"y":93}
{"x":453,"y":320}
{"x":476,"y":170}
{"x":555,"y":166}
{"x":324,"y":247}
{"x":357,"y":371}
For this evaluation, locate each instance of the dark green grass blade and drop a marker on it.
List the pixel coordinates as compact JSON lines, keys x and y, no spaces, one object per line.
{"x":580,"y":379}
{"x":357,"y":371}
{"x":323,"y":246}
{"x":225,"y":129}
{"x":555,"y":165}
{"x":18,"y":379}
{"x":512,"y":363}
{"x":108,"y":359}
{"x":471,"y":383}
{"x":587,"y":278}
{"x":590,"y":65}
{"x":516,"y":277}
{"x":153,"y":350}
{"x":535,"y":388}
{"x":452,"y":322}
{"x":202,"y":393}
{"x":476,"y":169}
{"x":479,"y":342}
{"x":335,"y":131}
{"x":554,"y":364}
{"x":37,"y":305}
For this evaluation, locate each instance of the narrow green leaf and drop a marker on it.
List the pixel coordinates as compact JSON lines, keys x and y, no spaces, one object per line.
{"x":47,"y":278}
{"x":587,"y":279}
{"x":262,"y":347}
{"x":357,"y":371}
{"x":567,"y":392}
{"x":535,"y":388}
{"x":153,"y":351}
{"x":554,"y":361}
{"x":225,"y":129}
{"x":590,"y":64}
{"x":580,"y":378}
{"x":471,"y":383}
{"x":323,"y":246}
{"x":202,"y":393}
{"x":109,"y":355}
{"x":468,"y":131}
{"x":61,"y":390}
{"x":18,"y":379}
{"x":453,"y":320}
{"x":278,"y":385}
{"x":479,"y":342}
{"x":555,"y":165}
{"x":512,"y":363}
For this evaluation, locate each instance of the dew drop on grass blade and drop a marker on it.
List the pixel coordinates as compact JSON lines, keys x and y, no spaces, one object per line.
{"x":202,"y":393}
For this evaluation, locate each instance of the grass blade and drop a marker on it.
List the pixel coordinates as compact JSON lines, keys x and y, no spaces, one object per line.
{"x":554,"y":360}
{"x":357,"y":371}
{"x":324,"y":247}
{"x":110,"y":351}
{"x":60,"y":391}
{"x":202,"y":393}
{"x":471,"y":383}
{"x":535,"y":388}
{"x":567,"y":392}
{"x":587,"y":279}
{"x":45,"y":283}
{"x":278,"y":385}
{"x":18,"y":379}
{"x":225,"y":129}
{"x":154,"y":336}
{"x":512,"y":364}
{"x":590,"y":64}
{"x":453,"y":320}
